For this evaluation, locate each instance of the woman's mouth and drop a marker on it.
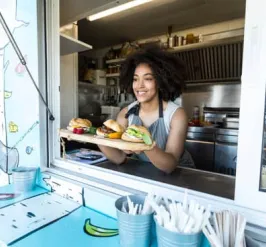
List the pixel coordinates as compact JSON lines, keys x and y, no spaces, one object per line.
{"x":141,"y":93}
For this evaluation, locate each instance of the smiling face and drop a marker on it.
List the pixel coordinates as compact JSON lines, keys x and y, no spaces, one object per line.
{"x":144,"y":84}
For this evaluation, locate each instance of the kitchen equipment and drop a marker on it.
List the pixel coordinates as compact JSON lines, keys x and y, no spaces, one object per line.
{"x":200,"y":144}
{"x":231,"y":123}
{"x":213,"y":149}
{"x":99,"y":77}
{"x":24,"y":178}
{"x":217,"y":115}
{"x":225,"y":156}
{"x":111,"y":111}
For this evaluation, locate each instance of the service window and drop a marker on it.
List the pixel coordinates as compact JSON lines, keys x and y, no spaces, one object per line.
{"x":250,"y":170}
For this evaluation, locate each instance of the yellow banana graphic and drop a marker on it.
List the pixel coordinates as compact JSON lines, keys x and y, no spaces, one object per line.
{"x":12,"y":127}
{"x":8,"y":94}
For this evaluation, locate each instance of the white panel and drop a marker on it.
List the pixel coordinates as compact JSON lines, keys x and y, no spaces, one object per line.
{"x":24,"y":217}
{"x":252,"y":109}
{"x":95,"y":198}
{"x":68,"y":88}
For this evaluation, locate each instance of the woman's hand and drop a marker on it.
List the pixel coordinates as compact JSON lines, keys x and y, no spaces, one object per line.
{"x":139,"y":151}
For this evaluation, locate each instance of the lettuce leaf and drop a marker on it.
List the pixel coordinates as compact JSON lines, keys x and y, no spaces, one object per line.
{"x":147,"y":140}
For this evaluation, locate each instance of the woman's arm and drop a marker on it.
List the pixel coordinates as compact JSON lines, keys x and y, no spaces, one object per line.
{"x":115,"y":155}
{"x":167,"y":160}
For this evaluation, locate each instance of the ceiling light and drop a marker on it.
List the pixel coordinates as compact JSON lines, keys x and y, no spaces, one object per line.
{"x":117,"y":9}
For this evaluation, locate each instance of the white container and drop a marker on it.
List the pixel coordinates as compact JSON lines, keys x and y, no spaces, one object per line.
{"x":100,"y":77}
{"x":24,"y":179}
{"x":112,"y":111}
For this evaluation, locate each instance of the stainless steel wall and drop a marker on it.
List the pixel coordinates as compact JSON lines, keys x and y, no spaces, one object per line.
{"x":224,"y":95}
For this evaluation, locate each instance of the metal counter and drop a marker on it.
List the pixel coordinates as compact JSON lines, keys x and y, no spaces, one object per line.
{"x":206,"y":182}
{"x":213,"y":149}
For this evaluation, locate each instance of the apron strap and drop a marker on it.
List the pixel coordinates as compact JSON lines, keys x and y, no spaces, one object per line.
{"x":160,"y":107}
{"x":135,"y":109}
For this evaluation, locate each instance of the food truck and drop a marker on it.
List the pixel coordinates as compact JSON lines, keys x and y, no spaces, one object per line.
{"x":60,"y":60}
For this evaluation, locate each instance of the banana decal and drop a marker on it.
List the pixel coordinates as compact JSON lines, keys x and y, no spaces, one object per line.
{"x":13,"y":128}
{"x":97,"y":231}
{"x":7,"y":94}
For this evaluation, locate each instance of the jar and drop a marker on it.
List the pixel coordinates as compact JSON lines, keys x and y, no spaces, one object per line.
{"x":190,"y":38}
{"x":179,"y":40}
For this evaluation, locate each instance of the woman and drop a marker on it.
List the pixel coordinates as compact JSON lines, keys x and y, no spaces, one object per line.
{"x":156,"y":78}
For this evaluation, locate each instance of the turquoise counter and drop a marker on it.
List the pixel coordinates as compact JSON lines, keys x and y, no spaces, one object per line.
{"x":68,"y":230}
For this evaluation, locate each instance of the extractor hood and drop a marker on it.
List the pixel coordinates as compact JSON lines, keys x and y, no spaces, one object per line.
{"x":213,"y":61}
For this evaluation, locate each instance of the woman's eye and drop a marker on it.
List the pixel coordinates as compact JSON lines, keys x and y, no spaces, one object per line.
{"x":149,"y":79}
{"x":135,"y":79}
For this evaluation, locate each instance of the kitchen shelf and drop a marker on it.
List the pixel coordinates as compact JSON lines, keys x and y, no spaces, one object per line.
{"x":69,"y":45}
{"x":112,"y":75}
{"x":207,"y":44}
{"x":118,"y":60}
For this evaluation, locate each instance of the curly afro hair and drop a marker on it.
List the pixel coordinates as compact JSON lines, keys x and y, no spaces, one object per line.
{"x":167,"y":68}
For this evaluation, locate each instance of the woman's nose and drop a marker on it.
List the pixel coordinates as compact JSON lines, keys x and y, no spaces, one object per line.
{"x":141,"y":82}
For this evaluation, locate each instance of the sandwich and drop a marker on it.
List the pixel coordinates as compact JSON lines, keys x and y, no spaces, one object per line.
{"x":78,"y":124}
{"x":135,"y":133}
{"x":110,"y":129}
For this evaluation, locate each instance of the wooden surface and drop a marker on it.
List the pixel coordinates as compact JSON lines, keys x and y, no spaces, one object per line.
{"x":115,"y":143}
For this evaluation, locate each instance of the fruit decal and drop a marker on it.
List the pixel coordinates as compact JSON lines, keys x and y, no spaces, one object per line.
{"x":13,"y":128}
{"x":29,"y":150}
{"x":8,"y":94}
{"x":20,"y":68}
{"x":97,"y":231}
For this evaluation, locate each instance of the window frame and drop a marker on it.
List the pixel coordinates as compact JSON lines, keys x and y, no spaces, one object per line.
{"x":42,"y":67}
{"x":242,"y":203}
{"x":252,"y":105}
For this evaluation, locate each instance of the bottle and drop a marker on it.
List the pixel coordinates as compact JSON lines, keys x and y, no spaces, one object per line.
{"x":196,"y":115}
{"x":201,"y":113}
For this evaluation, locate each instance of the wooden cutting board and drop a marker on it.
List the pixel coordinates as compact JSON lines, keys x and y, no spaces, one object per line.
{"x":114,"y":143}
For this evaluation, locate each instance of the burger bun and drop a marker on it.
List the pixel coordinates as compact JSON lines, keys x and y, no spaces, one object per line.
{"x":79,"y":123}
{"x":115,"y":126}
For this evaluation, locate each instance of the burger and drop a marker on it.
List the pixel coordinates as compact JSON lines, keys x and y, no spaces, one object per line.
{"x":135,"y":133}
{"x":79,"y":123}
{"x":110,"y":129}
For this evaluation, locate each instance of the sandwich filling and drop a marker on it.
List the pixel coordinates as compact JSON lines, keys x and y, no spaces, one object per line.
{"x":133,"y":133}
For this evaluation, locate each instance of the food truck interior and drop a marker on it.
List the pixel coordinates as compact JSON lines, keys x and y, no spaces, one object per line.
{"x":206,"y":34}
